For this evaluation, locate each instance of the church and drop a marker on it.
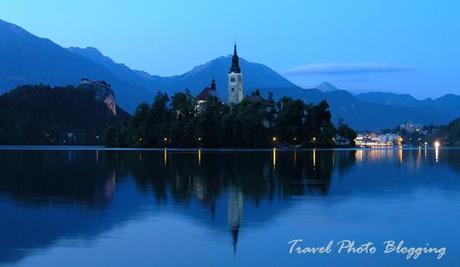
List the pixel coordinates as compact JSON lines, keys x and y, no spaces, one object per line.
{"x":235,"y":80}
{"x":235,"y":91}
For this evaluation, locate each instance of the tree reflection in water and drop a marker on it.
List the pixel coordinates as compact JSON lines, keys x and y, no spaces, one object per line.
{"x":88,"y":192}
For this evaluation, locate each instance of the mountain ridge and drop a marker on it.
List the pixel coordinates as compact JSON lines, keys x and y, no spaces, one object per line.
{"x":31,"y":60}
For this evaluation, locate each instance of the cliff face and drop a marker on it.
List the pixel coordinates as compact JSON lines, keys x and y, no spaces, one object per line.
{"x":104,"y":93}
{"x":109,"y":101}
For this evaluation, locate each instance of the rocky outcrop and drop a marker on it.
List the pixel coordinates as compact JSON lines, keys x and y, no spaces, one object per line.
{"x":103,"y":93}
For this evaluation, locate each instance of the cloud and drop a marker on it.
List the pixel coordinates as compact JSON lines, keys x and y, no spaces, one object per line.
{"x":344,"y":69}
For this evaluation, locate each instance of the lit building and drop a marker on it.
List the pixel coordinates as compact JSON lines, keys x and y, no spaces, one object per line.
{"x":411,"y":127}
{"x":209,"y":91}
{"x":235,"y":80}
{"x":373,"y":139}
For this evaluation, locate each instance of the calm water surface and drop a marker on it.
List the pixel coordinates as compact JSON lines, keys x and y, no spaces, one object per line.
{"x":158,"y":208}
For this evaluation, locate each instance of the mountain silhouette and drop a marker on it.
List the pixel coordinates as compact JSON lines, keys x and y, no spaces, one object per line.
{"x":28,"y":59}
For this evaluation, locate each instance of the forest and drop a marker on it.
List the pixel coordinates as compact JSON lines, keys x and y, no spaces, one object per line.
{"x":45,"y":115}
{"x":256,"y":122}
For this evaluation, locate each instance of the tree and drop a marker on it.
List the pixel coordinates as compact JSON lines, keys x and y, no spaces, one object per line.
{"x":346,"y":132}
{"x":251,"y":123}
{"x":159,"y":120}
{"x":181,"y":132}
{"x":209,"y":121}
{"x":319,"y":129}
{"x":290,"y":120}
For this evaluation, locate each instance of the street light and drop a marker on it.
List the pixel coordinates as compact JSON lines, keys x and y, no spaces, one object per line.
{"x":437,"y":144}
{"x":274,"y":141}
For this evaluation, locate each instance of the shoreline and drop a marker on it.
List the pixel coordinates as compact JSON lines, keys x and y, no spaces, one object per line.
{"x":103,"y":148}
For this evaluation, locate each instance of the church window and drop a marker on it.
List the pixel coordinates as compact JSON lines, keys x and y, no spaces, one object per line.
{"x":232,"y":79}
{"x":239,"y":78}
{"x":233,"y":89}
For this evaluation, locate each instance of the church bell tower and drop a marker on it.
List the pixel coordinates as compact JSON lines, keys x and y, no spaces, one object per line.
{"x":235,"y":80}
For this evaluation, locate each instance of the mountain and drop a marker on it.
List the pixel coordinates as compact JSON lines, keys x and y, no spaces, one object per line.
{"x":405,"y":100}
{"x":327,"y":87}
{"x":363,"y":115}
{"x":122,"y":71}
{"x":27,"y":59}
{"x":42,"y":115}
{"x":448,"y":102}
{"x":447,"y":105}
{"x":255,"y":75}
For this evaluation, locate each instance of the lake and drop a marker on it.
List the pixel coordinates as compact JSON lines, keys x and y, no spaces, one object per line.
{"x":91,"y":207}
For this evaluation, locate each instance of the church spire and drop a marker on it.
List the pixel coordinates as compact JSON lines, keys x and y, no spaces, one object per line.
{"x":235,"y":61}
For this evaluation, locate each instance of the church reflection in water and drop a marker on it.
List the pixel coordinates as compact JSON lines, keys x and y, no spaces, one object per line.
{"x":228,"y":191}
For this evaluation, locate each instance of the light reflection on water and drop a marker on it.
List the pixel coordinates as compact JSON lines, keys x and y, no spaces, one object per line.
{"x":211,"y":208}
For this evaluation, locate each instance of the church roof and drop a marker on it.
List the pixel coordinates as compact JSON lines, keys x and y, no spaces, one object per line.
{"x":208,"y":91}
{"x":235,"y":62}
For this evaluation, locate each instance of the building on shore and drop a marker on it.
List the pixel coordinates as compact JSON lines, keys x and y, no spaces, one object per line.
{"x":411,"y":127}
{"x":377,"y":140}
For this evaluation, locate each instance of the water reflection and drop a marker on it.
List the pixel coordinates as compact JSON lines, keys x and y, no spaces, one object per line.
{"x":235,"y":213}
{"x":231,"y":192}
{"x":436,"y":153}
{"x":314,"y":158}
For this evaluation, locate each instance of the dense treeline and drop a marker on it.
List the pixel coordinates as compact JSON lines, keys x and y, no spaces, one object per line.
{"x":255,"y":122}
{"x":44,"y":115}
{"x":447,"y":134}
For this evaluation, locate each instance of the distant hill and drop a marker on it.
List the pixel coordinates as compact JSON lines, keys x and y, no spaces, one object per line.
{"x":327,"y":87}
{"x":404,"y":100}
{"x":41,"y":115}
{"x":27,"y":59}
{"x":255,"y":75}
{"x":447,"y":106}
{"x":364,"y":115}
{"x":365,"y":111}
{"x":121,"y":71}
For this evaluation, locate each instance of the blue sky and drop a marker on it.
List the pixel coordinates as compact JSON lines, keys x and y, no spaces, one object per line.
{"x":359,"y":45}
